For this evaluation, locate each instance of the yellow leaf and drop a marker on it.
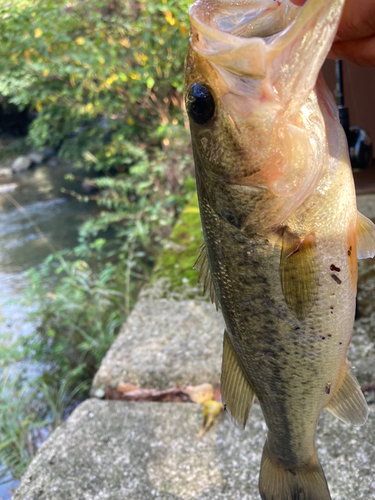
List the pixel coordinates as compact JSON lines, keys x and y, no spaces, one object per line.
{"x":183,"y":29}
{"x":38,"y":33}
{"x":39,"y":106}
{"x":135,"y":76}
{"x":89,"y":108}
{"x":200,"y":393}
{"x":125,"y":42}
{"x":46,"y":72}
{"x":111,"y":79}
{"x":80,"y":40}
{"x":169,"y":18}
{"x":27,"y":55}
{"x":211,"y":410}
{"x":130,"y":121}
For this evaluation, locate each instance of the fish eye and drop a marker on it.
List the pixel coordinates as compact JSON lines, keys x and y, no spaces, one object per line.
{"x":200,"y":103}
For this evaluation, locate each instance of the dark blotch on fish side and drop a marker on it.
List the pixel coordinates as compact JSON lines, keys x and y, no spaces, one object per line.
{"x":334,"y":268}
{"x":328,"y":387}
{"x":232,"y":219}
{"x":336,"y":278}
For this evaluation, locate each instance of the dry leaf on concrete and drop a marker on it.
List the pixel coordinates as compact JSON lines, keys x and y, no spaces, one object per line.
{"x":200,"y":393}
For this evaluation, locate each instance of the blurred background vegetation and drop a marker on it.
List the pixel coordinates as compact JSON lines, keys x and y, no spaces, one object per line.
{"x":103,"y":80}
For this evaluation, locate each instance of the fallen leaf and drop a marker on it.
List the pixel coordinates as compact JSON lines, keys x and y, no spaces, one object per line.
{"x":211,"y":410}
{"x":124,"y":387}
{"x":200,"y":393}
{"x":174,"y":395}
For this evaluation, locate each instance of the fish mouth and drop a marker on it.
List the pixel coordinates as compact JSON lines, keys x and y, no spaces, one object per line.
{"x":246,"y":19}
{"x":246,"y":38}
{"x":235,"y":35}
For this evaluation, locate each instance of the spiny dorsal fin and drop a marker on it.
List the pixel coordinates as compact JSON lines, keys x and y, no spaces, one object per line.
{"x":365,"y":237}
{"x":236,"y":392}
{"x":348,"y":402}
{"x":298,"y":272}
{"x":204,"y":277}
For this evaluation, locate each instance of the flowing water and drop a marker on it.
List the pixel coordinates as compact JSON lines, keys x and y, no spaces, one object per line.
{"x":36,"y":195}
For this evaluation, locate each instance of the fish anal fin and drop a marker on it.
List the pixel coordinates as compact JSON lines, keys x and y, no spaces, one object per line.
{"x":365,"y":237}
{"x":205,"y":277}
{"x":277,"y":482}
{"x":298,"y":272}
{"x":236,"y":393}
{"x":348,"y":402}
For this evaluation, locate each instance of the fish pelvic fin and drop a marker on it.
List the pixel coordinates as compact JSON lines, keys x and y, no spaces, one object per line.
{"x":236,"y":392}
{"x":205,"y":278}
{"x":365,"y":237}
{"x":348,"y":402}
{"x":277,"y":482}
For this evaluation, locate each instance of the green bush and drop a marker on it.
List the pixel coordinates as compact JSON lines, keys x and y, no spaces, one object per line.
{"x":76,"y":61}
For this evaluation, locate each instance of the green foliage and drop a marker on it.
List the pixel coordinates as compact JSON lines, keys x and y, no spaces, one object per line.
{"x":106,"y":78}
{"x":28,"y":413}
{"x":75,"y":61}
{"x":175,"y":262}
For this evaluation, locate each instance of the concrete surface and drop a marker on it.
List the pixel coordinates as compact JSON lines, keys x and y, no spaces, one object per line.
{"x":140,"y":451}
{"x":165,"y":342}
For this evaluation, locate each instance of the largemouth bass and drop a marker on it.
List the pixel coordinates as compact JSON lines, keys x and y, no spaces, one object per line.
{"x":281,"y":229}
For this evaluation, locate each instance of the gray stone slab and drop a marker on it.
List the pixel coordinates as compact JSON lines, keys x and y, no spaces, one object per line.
{"x":163,"y":343}
{"x":140,"y":451}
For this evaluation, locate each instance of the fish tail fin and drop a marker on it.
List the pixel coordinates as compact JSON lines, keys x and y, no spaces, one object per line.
{"x":277,"y":482}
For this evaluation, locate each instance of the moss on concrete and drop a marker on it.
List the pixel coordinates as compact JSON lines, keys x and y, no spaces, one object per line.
{"x":176,"y":260}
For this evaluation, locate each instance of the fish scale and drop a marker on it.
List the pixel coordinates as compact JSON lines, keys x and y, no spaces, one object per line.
{"x":280,"y":224}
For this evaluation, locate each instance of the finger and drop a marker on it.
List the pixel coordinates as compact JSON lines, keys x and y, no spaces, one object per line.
{"x":361,"y":52}
{"x":357,"y":21}
{"x":298,"y":2}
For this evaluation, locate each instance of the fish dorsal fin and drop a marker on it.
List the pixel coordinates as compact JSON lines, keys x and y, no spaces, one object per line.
{"x":298,"y":272}
{"x":204,"y":277}
{"x":348,"y":402}
{"x":365,"y":237}
{"x":236,"y":393}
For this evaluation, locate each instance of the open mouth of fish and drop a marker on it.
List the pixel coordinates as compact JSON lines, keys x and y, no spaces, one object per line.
{"x":262,"y":62}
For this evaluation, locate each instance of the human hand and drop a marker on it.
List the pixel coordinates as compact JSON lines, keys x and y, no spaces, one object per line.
{"x":355,"y":39}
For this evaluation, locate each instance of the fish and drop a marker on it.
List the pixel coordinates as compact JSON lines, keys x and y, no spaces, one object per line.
{"x":281,"y":229}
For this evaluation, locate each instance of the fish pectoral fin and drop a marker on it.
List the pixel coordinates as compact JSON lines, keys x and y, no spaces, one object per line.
{"x":298,"y":272}
{"x":236,"y":393}
{"x":205,"y":277}
{"x":348,"y":402}
{"x":365,"y":237}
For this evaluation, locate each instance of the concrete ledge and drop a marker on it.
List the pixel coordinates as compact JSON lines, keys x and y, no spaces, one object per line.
{"x":139,"y":451}
{"x":164,"y":342}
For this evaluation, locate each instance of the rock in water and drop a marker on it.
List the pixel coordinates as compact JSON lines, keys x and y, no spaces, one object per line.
{"x":21,"y":164}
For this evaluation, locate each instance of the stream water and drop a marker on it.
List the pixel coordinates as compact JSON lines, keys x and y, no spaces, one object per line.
{"x":38,"y":192}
